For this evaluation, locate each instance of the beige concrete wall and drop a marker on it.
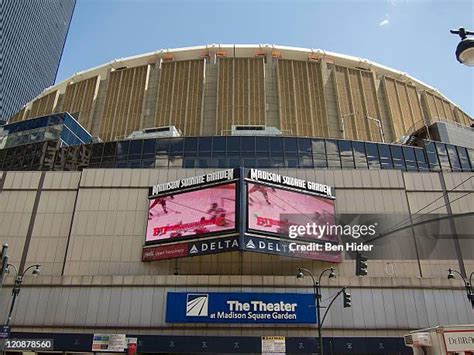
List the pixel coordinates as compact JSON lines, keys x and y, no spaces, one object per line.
{"x":95,"y":220}
{"x":202,"y":95}
{"x":102,"y":233}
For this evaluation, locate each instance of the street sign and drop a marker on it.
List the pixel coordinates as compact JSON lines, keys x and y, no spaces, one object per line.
{"x":4,"y":332}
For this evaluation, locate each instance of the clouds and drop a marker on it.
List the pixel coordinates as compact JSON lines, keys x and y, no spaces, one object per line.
{"x":384,"y":22}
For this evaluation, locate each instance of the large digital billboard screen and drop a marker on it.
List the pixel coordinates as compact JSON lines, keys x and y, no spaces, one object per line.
{"x":272,"y":210}
{"x":191,"y":214}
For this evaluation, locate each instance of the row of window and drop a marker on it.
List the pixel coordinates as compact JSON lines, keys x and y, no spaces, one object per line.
{"x":261,"y":152}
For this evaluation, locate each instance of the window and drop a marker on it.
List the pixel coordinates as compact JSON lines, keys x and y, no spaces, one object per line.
{"x":136,"y":147}
{"x":453,"y":157}
{"x":421,"y":160}
{"x":176,"y":146}
{"x":248,"y":146}
{"x":122,"y":147}
{"x":233,"y":146}
{"x":463,"y":159}
{"x":397,"y":156}
{"x":276,"y":147}
{"x":347,"y":157}
{"x":332,"y":150}
{"x":190,"y":147}
{"x":262,"y":145}
{"x":318,"y":148}
{"x":149,"y":146}
{"x":432,"y":156}
{"x":410,"y":160}
{"x":385,"y":156}
{"x":360,"y":156}
{"x":219,"y":144}
{"x":443,"y":156}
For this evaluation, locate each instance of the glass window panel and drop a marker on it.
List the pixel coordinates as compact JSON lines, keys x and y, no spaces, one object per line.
{"x":222,"y":163}
{"x":470,"y":154}
{"x":120,"y":163}
{"x":189,"y":163}
{"x":218,"y":154}
{"x":262,"y":144}
{"x":290,"y":144}
{"x":463,"y":159}
{"x":347,"y":158}
{"x":331,"y":147}
{"x":204,"y":154}
{"x":248,"y":145}
{"x":433,"y":161}
{"x":149,"y":146}
{"x":134,"y":163}
{"x":122,"y":147}
{"x":218,"y":144}
{"x":443,"y":156}
{"x":136,"y":147}
{"x":291,"y":163}
{"x":360,"y":156}
{"x":233,"y":144}
{"x":304,"y":145}
{"x":234,"y":163}
{"x":213,"y":163}
{"x":306,"y":161}
{"x":97,"y":150}
{"x":385,"y":156}
{"x":109,"y":149}
{"x":319,"y":146}
{"x":250,"y":163}
{"x":176,"y":146}
{"x":453,"y":157}
{"x":276,"y":147}
{"x":277,"y":162}
{"x":421,"y":160}
{"x":190,"y":144}
{"x":148,"y":163}
{"x":205,"y":144}
{"x":263,"y":163}
{"x":397,"y":156}
{"x":162,"y":146}
{"x":202,"y":163}
{"x":108,"y":162}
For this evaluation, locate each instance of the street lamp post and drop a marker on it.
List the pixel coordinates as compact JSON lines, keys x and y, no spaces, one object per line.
{"x":317,"y":295}
{"x":18,"y":282}
{"x":465,"y":48}
{"x":467,"y":283}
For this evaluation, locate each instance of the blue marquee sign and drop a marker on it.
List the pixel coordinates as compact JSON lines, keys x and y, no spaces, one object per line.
{"x":253,"y":308}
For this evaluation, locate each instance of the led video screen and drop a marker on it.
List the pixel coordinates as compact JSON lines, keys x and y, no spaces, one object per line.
{"x":272,"y":210}
{"x":190,"y":214}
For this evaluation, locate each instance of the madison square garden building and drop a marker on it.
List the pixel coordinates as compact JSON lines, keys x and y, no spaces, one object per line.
{"x":158,"y":193}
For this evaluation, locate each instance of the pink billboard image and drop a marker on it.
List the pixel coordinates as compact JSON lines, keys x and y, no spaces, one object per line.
{"x":193,"y":213}
{"x":272,"y":210}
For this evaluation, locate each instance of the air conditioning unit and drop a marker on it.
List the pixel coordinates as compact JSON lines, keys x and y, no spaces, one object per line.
{"x":156,"y":132}
{"x":254,"y":130}
{"x":417,"y":340}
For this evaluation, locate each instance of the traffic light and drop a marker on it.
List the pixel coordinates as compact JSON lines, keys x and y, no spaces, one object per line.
{"x":347,"y":299}
{"x":361,"y":264}
{"x":470,"y":294}
{"x":3,"y":262}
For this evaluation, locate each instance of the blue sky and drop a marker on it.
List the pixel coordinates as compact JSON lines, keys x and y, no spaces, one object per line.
{"x":408,"y":35}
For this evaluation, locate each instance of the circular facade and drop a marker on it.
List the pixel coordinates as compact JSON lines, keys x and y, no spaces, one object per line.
{"x":208,"y":90}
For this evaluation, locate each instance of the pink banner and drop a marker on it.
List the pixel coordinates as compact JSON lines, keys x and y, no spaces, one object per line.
{"x":203,"y":211}
{"x":270,"y":210}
